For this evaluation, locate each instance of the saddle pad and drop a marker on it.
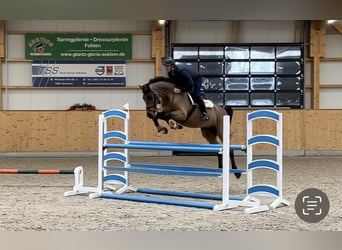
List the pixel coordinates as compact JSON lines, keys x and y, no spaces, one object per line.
{"x":208,"y":103}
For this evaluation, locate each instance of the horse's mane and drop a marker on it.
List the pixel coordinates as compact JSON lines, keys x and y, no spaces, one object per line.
{"x":160,"y":86}
{"x":159,"y":79}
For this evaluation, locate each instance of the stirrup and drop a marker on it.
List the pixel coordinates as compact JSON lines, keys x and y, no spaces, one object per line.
{"x":205,"y":116}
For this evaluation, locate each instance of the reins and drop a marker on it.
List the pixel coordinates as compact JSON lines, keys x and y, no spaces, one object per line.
{"x":154,"y":100}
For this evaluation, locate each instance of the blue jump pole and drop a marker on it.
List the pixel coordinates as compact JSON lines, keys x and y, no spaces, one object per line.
{"x":172,"y":170}
{"x":158,"y":200}
{"x":214,"y":146}
{"x":204,"y":148}
{"x":186,"y":194}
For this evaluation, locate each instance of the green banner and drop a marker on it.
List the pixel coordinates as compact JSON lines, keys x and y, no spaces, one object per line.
{"x":63,"y":46}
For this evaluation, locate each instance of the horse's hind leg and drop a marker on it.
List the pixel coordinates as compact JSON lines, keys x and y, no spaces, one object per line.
{"x":232,"y":160}
{"x":211,"y":137}
{"x":174,"y":125}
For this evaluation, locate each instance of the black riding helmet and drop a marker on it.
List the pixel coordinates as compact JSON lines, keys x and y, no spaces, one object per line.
{"x":169,"y":61}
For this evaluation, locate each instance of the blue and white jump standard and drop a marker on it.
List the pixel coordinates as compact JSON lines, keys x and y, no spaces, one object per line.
{"x":114,"y":147}
{"x":277,"y":165}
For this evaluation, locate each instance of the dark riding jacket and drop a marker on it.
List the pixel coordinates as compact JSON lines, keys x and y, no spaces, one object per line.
{"x":185,"y":78}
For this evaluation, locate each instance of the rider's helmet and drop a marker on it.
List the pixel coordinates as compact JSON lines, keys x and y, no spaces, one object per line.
{"x":169,"y":61}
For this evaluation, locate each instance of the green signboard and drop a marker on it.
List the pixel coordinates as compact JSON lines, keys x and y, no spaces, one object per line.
{"x":64,"y":46}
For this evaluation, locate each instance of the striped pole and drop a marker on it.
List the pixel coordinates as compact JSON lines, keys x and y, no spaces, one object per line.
{"x":35,"y":171}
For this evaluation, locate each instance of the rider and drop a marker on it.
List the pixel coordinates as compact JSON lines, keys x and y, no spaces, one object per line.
{"x":186,"y":79}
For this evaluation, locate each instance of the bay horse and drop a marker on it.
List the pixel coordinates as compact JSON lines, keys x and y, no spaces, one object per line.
{"x":178,"y":110}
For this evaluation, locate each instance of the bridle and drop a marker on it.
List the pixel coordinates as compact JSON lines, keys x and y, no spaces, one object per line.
{"x":153,"y":96}
{"x":154,"y":106}
{"x":153,"y":102}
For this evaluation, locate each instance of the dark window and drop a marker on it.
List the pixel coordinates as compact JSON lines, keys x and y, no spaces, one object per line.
{"x":248,"y":75}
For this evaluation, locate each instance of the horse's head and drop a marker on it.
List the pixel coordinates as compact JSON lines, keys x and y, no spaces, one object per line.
{"x":151,"y":100}
{"x":157,"y":94}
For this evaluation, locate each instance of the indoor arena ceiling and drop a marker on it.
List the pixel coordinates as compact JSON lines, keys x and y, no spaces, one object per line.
{"x":172,"y":9}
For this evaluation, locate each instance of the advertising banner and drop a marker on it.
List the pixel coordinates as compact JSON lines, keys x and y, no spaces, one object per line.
{"x":78,"y":73}
{"x":65,"y":46}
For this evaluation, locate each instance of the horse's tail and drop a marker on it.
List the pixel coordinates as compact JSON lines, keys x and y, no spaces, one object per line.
{"x":229,"y":111}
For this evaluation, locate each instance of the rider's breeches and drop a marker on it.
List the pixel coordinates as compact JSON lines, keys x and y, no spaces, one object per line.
{"x":196,"y":95}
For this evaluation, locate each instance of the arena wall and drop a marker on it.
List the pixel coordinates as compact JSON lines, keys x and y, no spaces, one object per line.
{"x":76,"y":131}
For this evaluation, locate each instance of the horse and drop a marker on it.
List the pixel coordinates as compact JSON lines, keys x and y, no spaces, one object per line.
{"x":178,"y":110}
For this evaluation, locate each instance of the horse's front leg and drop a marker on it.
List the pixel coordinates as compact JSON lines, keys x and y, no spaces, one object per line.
{"x":160,"y":128}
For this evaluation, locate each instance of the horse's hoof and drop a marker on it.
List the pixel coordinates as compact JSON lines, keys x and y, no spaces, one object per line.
{"x":237,"y":175}
{"x":174,"y":127}
{"x":163,"y":131}
{"x":179,"y":126}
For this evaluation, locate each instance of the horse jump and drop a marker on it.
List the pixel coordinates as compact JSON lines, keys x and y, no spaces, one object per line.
{"x":225,"y":201}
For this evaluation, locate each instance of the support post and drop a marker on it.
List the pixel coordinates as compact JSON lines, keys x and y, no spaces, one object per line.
{"x":2,"y":55}
{"x":236,"y":30}
{"x":317,"y":50}
{"x":158,"y":45}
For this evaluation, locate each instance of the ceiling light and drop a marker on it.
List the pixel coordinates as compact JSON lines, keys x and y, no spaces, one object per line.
{"x":161,"y":22}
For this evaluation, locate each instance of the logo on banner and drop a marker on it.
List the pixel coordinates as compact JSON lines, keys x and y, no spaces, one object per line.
{"x":109,"y":70}
{"x":39,"y":46}
{"x":119,"y":70}
{"x":100,"y":70}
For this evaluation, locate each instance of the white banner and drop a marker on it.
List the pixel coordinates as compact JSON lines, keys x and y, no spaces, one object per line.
{"x":78,"y":73}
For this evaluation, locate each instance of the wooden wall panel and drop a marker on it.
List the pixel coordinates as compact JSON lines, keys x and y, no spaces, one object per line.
{"x":12,"y":133}
{"x":48,"y":131}
{"x":323,"y":129}
{"x":77,"y":131}
{"x":293,"y":129}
